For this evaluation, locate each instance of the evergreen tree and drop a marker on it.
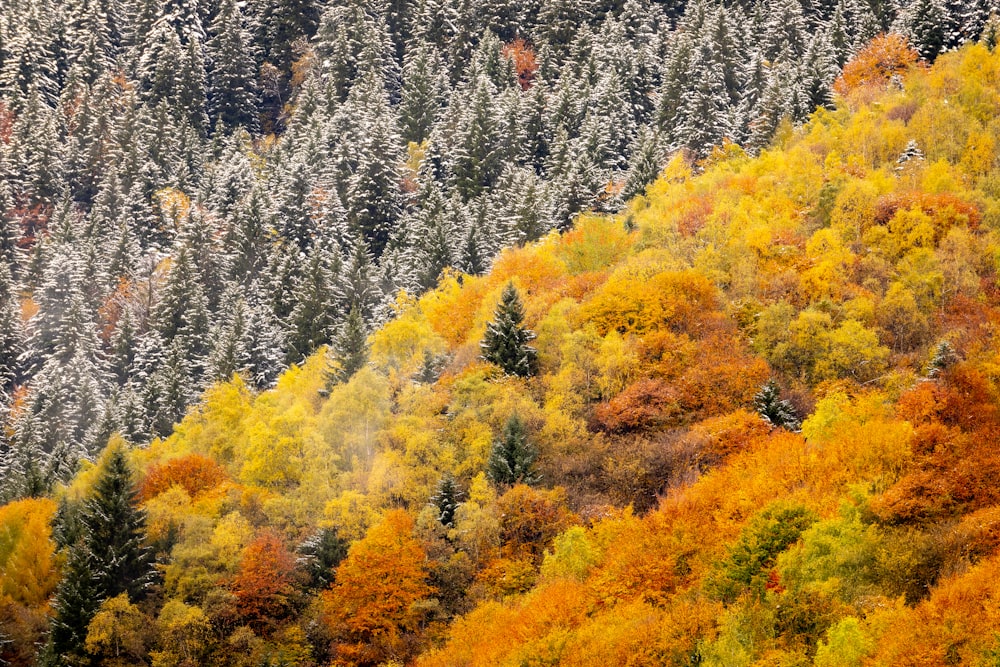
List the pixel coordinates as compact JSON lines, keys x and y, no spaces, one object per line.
{"x":506,"y":341}
{"x":114,"y":531}
{"x":77,"y":600}
{"x":773,"y":409}
{"x":424,"y":91}
{"x":944,"y":357}
{"x":319,"y":556}
{"x":107,"y":559}
{"x":704,"y":117}
{"x":375,"y":202}
{"x":315,"y":307}
{"x":11,"y":332}
{"x":23,"y":463}
{"x":233,"y":97}
{"x":349,"y":351}
{"x":927,"y":27}
{"x":446,"y":499}
{"x":512,"y":460}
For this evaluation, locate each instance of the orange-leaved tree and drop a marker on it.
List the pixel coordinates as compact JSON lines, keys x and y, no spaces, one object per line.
{"x":264,"y":584}
{"x":194,"y":473}
{"x":372,"y":609}
{"x":875,"y":65}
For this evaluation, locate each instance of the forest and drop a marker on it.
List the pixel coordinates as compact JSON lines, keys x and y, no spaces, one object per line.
{"x":481,"y":332}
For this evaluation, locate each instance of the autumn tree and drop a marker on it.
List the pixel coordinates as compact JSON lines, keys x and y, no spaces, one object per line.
{"x":264,"y":583}
{"x":884,"y":57}
{"x":373,"y":606}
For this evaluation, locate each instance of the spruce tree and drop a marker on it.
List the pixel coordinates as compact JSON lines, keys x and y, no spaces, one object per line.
{"x":77,"y":600}
{"x":446,"y":499}
{"x":107,"y":559}
{"x":506,"y":341}
{"x":773,"y":409}
{"x":512,"y":460}
{"x":114,"y":531}
{"x":233,"y":97}
{"x":349,"y":351}
{"x":927,"y":26}
{"x":319,"y":556}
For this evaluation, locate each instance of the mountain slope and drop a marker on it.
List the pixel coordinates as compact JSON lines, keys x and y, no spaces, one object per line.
{"x":854,"y":263}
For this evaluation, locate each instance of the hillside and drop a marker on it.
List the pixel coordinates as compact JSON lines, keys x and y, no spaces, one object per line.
{"x":679,"y":509}
{"x":192,"y":188}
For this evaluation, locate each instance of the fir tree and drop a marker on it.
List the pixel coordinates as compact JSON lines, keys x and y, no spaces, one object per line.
{"x":349,"y":351}
{"x":773,"y":409}
{"x":319,"y":556}
{"x":114,"y":532}
{"x":944,"y":357}
{"x":512,"y":460}
{"x":506,"y":341}
{"x":423,"y":91}
{"x":77,"y":600}
{"x":233,"y":97}
{"x":375,"y":202}
{"x":927,"y":26}
{"x":446,"y":499}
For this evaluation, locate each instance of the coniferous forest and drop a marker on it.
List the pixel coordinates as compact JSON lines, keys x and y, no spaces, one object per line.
{"x":489,"y":332}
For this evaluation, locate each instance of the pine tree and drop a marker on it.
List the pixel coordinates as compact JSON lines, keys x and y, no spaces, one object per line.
{"x":315,"y":306}
{"x":819,"y":69}
{"x":944,"y":357}
{"x":375,"y":202}
{"x":506,"y":341}
{"x":24,"y":462}
{"x":424,"y":91}
{"x":181,"y":314}
{"x":114,"y":531}
{"x":927,"y":24}
{"x":644,"y":166}
{"x":477,"y":159}
{"x":233,"y":97}
{"x":107,"y":559}
{"x":704,"y":117}
{"x":77,"y":600}
{"x":446,"y":499}
{"x":773,"y":409}
{"x":319,"y":556}
{"x":349,"y":351}
{"x":11,"y":333}
{"x":281,"y":23}
{"x":512,"y":460}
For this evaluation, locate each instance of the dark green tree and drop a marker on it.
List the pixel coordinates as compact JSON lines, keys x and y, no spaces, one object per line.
{"x":506,"y":341}
{"x":773,"y":409}
{"x":927,"y":25}
{"x":446,"y":500}
{"x":349,"y":350}
{"x":77,"y":600}
{"x":512,"y":460}
{"x":319,"y":556}
{"x":233,"y":95}
{"x":114,"y":530}
{"x":106,"y":558}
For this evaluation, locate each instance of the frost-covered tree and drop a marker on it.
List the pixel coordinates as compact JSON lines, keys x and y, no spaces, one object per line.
{"x":506,"y":341}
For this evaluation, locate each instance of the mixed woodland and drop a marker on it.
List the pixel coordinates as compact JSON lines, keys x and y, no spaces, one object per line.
{"x":475,"y":332}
